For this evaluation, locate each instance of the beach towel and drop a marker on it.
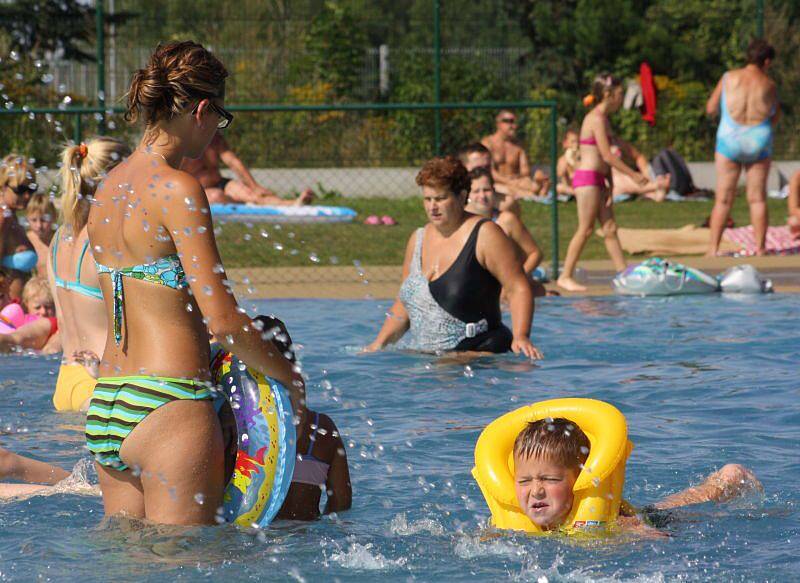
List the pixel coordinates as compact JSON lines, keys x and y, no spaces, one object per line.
{"x":688,"y":240}
{"x":779,"y":241}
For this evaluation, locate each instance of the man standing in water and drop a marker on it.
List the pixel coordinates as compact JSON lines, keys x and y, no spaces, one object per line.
{"x":243,"y":188}
{"x":510,"y":168}
{"x":747,"y":102}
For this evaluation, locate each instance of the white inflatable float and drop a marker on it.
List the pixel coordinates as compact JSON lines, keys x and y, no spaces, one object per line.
{"x":659,"y":277}
{"x":282,"y":214}
{"x":744,"y":279}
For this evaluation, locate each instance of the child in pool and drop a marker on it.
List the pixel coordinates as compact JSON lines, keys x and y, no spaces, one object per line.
{"x":38,"y":326}
{"x":321,"y":462}
{"x":41,"y":214}
{"x":549,"y":454}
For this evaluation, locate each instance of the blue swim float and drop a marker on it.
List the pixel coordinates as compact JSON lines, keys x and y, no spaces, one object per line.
{"x":267,"y":441}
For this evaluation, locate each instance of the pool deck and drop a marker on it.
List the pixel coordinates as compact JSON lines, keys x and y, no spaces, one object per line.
{"x":383,"y":281}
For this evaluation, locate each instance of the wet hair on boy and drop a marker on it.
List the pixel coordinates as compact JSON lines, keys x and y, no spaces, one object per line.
{"x":558,"y":440}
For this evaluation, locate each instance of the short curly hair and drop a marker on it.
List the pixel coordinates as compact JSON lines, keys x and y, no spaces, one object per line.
{"x":447,"y":172}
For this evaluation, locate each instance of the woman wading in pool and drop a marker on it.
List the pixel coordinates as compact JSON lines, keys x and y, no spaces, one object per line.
{"x":453,"y":272}
{"x":151,"y":425}
{"x":592,"y":192}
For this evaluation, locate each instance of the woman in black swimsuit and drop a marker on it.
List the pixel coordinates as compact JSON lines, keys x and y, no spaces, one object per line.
{"x":453,"y":272}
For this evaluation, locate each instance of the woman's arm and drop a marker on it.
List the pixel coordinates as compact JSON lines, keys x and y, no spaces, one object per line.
{"x":598,"y":126}
{"x":188,"y":218}
{"x":520,"y":234}
{"x":338,"y":487}
{"x":496,"y":252}
{"x":712,"y":105}
{"x":396,"y":323}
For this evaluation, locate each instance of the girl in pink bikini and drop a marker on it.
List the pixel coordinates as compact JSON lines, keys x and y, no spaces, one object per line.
{"x":592,"y":178}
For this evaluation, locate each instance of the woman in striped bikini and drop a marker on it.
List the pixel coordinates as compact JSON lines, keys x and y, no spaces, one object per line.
{"x":151,"y":425}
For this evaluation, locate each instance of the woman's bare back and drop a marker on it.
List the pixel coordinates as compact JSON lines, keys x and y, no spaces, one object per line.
{"x":750,"y":95}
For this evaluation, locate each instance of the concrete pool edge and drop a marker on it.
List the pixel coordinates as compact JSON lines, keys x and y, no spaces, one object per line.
{"x":383,"y":281}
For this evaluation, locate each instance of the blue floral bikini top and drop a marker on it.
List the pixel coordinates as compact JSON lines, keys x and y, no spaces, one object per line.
{"x":167,"y":271}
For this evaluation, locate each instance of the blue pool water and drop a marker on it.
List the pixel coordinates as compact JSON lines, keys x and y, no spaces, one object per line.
{"x":702,"y":381}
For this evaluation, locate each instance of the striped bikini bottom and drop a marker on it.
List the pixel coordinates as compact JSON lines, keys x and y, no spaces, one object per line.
{"x":120,"y":403}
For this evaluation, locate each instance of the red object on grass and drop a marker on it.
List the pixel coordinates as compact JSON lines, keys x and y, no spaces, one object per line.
{"x":648,"y":93}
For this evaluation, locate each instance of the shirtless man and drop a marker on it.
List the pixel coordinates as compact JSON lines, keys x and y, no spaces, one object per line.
{"x":243,"y":189}
{"x":747,"y":102}
{"x":510,"y":167}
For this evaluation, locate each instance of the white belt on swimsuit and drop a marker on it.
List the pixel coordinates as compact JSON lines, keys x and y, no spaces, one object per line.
{"x":475,"y":328}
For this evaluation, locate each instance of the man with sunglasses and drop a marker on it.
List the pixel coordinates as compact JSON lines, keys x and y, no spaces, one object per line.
{"x":241,"y":189}
{"x":511,"y":170}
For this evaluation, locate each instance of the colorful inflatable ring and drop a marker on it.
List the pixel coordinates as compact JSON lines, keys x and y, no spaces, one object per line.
{"x":598,"y":489}
{"x":266,"y":443}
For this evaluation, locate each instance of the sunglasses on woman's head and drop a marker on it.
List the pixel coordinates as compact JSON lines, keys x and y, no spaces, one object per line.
{"x":226,"y":117}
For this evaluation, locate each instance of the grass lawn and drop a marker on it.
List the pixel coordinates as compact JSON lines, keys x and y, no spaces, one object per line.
{"x":265,"y":245}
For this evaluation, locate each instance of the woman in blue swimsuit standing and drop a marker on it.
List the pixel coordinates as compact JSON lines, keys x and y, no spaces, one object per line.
{"x":747,"y":102}
{"x":151,"y":425}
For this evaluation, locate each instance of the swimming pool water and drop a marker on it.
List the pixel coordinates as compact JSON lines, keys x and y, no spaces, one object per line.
{"x":702,"y":380}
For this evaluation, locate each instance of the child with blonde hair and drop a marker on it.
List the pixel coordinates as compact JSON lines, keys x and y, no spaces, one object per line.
{"x":41,"y":215}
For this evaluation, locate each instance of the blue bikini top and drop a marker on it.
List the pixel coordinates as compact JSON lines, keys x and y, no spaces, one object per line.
{"x":167,"y":271}
{"x":76,"y":286}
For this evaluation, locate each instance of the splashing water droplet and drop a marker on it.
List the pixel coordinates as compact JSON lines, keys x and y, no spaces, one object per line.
{"x":189,"y":308}
{"x":313,"y":257}
{"x":200,"y":498}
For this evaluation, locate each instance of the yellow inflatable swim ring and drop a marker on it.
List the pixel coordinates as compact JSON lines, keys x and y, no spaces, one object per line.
{"x":598,"y":489}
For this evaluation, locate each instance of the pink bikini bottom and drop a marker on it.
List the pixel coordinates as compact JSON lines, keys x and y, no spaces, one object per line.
{"x":588,"y":178}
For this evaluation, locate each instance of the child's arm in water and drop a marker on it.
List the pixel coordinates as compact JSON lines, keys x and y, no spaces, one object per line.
{"x":339,"y":490}
{"x":728,"y":482}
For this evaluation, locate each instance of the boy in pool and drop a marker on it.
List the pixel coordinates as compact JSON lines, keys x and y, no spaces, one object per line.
{"x":549,"y":455}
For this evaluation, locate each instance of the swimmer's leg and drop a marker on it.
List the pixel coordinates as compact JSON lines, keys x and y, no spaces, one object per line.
{"x":588,"y":200}
{"x":727,"y":176}
{"x":756,"y":182}
{"x":122,"y":492}
{"x":728,"y":482}
{"x":17,"y":467}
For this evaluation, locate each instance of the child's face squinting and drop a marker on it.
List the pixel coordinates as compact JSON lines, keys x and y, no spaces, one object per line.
{"x":544,"y":490}
{"x":41,"y":225}
{"x":40,"y":308}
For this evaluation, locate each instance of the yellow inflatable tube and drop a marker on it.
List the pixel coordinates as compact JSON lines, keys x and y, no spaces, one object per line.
{"x":598,"y":489}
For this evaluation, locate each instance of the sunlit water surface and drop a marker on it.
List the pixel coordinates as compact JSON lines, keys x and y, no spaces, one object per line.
{"x":702,"y":381}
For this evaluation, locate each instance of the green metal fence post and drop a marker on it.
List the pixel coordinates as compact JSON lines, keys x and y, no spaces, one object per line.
{"x":760,"y":18}
{"x":554,"y":182}
{"x":77,"y":129}
{"x":100,"y":42}
{"x":437,"y":74}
